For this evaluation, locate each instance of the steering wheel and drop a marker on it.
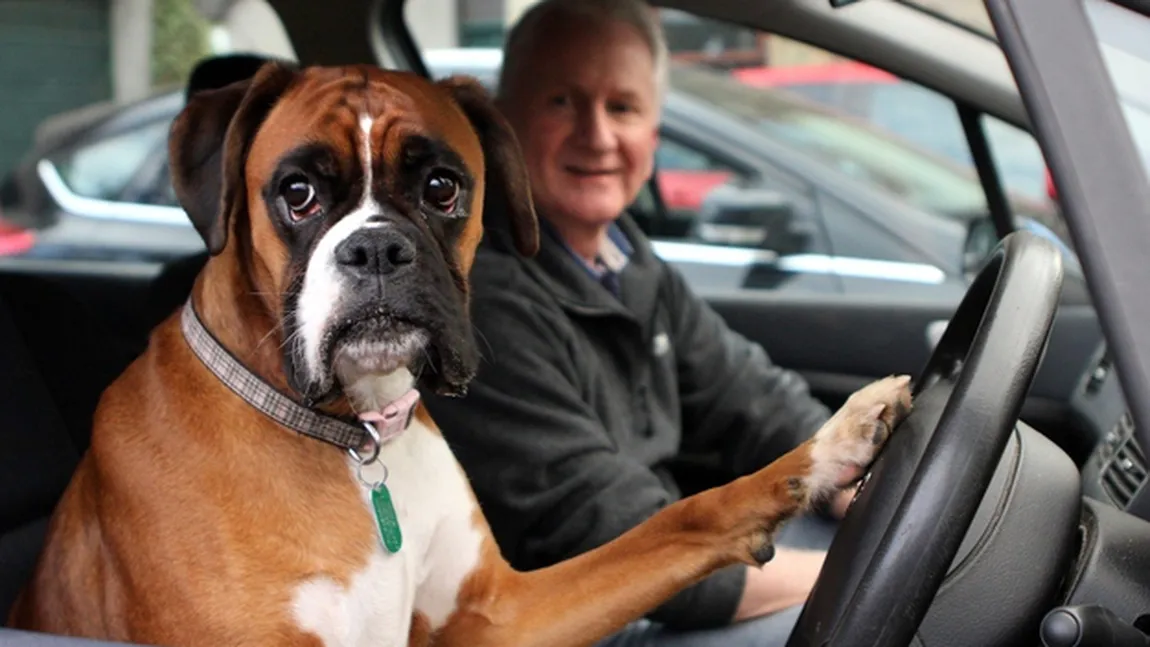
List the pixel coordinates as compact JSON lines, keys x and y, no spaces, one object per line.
{"x":893,"y":549}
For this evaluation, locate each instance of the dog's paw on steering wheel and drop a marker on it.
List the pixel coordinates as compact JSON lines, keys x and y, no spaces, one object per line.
{"x":832,"y":459}
{"x":850,"y":440}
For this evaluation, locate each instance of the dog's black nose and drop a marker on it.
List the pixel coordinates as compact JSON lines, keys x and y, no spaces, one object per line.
{"x":375,"y":252}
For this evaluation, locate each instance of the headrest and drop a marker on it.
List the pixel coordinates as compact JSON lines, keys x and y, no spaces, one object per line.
{"x":218,"y":71}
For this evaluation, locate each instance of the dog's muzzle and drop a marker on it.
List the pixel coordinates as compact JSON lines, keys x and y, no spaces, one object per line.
{"x":378,"y":296}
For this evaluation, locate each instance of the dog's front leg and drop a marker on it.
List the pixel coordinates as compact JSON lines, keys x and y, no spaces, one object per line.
{"x":584,"y":599}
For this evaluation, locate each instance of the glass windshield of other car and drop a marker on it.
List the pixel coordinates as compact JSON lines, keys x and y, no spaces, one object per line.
{"x":881,"y":159}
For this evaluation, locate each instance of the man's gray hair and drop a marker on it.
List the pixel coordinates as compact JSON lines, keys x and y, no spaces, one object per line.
{"x":524,"y":36}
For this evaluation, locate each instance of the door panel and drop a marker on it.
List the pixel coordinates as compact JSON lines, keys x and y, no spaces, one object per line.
{"x":840,"y":343}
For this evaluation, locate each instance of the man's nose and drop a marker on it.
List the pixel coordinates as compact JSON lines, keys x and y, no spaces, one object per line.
{"x":597,"y":128}
{"x":375,"y":252}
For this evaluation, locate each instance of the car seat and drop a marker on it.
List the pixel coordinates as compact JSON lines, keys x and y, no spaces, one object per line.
{"x":54,"y":365}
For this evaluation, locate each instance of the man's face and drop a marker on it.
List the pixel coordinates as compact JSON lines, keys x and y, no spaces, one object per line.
{"x":586,"y":112}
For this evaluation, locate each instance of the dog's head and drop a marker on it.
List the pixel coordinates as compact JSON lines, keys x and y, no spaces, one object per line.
{"x":353,"y":199}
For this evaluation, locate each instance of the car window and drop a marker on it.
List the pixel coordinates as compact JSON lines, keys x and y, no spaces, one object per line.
{"x":83,"y":169}
{"x":72,"y":166}
{"x":712,"y":200}
{"x":684,"y":175}
{"x":871,"y":184}
{"x":893,"y":135}
{"x":822,"y":178}
{"x":104,"y":168}
{"x":673,"y":155}
{"x":897,"y":143}
{"x":921,"y":116}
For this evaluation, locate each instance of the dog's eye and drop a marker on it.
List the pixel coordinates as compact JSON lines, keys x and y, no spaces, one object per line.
{"x":299,"y":194}
{"x":441,"y":191}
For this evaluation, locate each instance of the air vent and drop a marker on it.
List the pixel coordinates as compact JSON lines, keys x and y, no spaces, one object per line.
{"x":1125,"y":472}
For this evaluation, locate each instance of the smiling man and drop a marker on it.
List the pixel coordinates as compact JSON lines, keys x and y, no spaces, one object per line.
{"x":600,"y":365}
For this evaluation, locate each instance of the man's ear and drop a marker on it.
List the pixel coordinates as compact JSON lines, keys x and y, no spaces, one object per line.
{"x":208,"y":145}
{"x":506,"y":170}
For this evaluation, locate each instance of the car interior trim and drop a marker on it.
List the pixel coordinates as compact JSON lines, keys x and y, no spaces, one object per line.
{"x":1064,"y":82}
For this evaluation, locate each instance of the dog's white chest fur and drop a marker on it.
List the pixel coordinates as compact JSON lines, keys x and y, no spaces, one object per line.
{"x":440,"y":548}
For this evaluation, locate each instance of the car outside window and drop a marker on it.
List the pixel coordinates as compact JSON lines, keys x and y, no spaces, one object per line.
{"x":885,"y":135}
{"x":921,"y":116}
{"x":758,"y":153}
{"x":675,"y":156}
{"x":864,"y":151}
{"x":89,"y":181}
{"x":710,"y":200}
{"x":759,"y":171}
{"x":104,"y":169}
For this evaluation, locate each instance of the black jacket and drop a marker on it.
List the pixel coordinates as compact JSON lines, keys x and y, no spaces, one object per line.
{"x":582,"y":398}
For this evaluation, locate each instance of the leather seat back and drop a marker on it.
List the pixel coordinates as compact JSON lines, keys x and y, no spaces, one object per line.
{"x":53,"y":368}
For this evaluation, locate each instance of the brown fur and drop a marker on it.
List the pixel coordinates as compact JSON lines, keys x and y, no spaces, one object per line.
{"x":677,"y":547}
{"x":190,"y":507}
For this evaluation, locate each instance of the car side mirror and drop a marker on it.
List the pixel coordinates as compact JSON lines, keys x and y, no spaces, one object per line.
{"x":756,"y":218}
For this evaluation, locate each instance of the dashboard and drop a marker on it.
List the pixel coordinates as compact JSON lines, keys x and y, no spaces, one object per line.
{"x":1116,"y":470}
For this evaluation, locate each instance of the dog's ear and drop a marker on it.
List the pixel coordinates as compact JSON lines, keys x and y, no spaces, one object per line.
{"x":508,"y":188}
{"x":208,"y":145}
{"x":217,"y":71}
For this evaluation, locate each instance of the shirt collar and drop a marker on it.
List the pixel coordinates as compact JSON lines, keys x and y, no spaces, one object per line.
{"x":632,"y":292}
{"x":612,"y":257}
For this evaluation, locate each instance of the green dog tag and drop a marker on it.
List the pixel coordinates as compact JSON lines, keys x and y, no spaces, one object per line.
{"x":386,"y":518}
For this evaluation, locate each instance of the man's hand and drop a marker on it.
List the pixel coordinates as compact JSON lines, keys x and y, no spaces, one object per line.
{"x":783,"y":582}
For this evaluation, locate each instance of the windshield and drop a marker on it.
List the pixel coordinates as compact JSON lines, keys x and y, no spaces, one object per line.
{"x":1124,"y":41}
{"x":881,"y":158}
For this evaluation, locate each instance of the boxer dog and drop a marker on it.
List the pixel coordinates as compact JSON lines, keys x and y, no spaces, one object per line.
{"x":264,"y":475}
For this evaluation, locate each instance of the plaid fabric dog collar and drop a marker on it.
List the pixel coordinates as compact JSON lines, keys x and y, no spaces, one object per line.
{"x":362,"y":439}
